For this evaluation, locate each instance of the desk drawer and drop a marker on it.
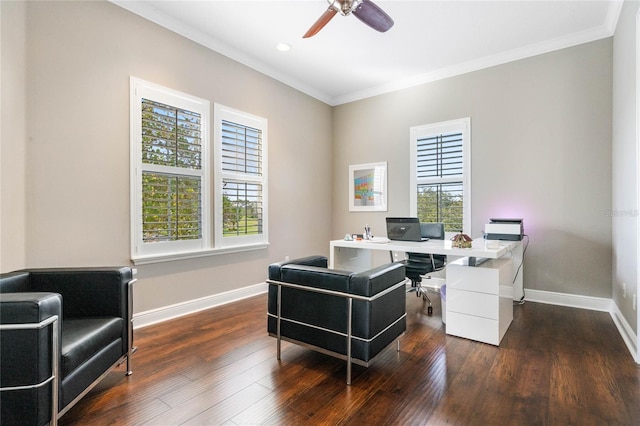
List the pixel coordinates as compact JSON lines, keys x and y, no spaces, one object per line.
{"x":472,"y":327}
{"x":472,"y":303}
{"x":485,"y":278}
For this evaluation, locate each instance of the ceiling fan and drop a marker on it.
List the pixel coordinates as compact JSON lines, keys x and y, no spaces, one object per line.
{"x":364,"y":10}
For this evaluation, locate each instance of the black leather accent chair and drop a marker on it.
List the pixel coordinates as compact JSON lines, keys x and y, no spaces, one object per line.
{"x":419,"y":264}
{"x":62,"y":330}
{"x":351,"y":316}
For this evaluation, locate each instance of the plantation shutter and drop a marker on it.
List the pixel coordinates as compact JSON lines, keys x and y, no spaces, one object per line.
{"x":440,"y":171}
{"x":440,"y":156}
{"x":171,"y":178}
{"x":170,"y":136}
{"x":241,"y":149}
{"x":242,"y":166}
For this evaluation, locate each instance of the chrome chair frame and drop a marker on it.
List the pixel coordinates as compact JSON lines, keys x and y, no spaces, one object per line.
{"x":55,"y":373}
{"x":350,"y":298}
{"x":55,"y":344}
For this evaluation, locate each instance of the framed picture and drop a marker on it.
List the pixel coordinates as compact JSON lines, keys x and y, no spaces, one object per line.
{"x":368,"y":187}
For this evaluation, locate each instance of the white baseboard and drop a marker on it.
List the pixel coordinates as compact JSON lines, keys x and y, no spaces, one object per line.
{"x":165,"y":313}
{"x":593,"y":303}
{"x":630,"y":338}
{"x":571,"y":300}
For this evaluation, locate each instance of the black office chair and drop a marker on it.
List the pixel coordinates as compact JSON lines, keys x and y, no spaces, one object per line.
{"x":419,"y":264}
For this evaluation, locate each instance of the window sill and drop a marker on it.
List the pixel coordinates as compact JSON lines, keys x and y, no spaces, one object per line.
{"x":170,"y":257}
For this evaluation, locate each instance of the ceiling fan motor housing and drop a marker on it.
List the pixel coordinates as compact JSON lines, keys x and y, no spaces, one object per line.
{"x":345,"y":7}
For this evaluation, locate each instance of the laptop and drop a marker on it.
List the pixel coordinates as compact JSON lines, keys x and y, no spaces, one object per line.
{"x":404,"y":229}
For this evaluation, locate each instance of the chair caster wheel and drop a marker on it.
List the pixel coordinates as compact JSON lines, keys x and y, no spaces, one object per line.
{"x":430,"y":310}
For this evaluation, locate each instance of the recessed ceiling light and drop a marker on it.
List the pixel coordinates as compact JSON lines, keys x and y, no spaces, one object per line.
{"x":283,"y":47}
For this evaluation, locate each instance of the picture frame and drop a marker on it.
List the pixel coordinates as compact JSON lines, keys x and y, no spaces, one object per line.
{"x":368,"y":187}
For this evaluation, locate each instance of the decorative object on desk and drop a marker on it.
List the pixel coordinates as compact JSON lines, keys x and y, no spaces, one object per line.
{"x":461,"y":241}
{"x":368,"y":187}
{"x":348,"y":237}
{"x":367,"y":232}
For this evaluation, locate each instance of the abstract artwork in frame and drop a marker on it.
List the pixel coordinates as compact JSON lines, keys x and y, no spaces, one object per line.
{"x":368,"y":187}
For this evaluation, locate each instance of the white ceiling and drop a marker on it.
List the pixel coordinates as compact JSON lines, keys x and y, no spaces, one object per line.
{"x":347,"y":60}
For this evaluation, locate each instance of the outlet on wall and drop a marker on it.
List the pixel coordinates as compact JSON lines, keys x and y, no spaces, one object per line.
{"x":286,"y":258}
{"x":634,"y":301}
{"x":624,"y":290}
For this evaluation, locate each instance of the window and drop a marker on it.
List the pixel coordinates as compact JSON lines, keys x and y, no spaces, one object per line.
{"x":169,"y":134}
{"x":241,"y":177}
{"x":178,"y":209}
{"x":440,"y":174}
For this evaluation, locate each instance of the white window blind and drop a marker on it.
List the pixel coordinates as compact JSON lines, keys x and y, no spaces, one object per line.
{"x":242,"y":157}
{"x":242,"y":177}
{"x":171,"y":136}
{"x":172,"y":207}
{"x":241,"y":149}
{"x":171,"y":202}
{"x":439,"y":175}
{"x":169,"y":193}
{"x":243,"y":208}
{"x":440,"y":156}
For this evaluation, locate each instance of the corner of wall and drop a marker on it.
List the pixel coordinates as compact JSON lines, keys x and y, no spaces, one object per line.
{"x":13,"y":135}
{"x":626,"y":331}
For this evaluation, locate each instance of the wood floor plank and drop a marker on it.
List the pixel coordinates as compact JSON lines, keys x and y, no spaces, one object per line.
{"x":555,"y":365}
{"x":230,"y":407}
{"x":282,"y":391}
{"x":313,"y":398}
{"x":288,"y":416}
{"x":373,"y":410}
{"x":212,"y":396}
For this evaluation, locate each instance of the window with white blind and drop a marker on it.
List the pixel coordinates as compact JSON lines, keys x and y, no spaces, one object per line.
{"x":176,"y":212}
{"x":169,"y":173}
{"x":241,"y":178}
{"x":440,"y":174}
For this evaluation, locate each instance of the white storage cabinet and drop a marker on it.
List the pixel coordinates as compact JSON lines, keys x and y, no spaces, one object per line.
{"x":480,"y":299}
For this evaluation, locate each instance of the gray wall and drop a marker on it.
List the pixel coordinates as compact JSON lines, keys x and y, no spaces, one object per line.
{"x":79,"y":57}
{"x":540,"y":148}
{"x":12,"y":136}
{"x":625,"y":162}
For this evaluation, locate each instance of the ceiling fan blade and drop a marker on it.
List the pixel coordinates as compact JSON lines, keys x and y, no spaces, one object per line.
{"x":373,"y":16}
{"x":321,"y":22}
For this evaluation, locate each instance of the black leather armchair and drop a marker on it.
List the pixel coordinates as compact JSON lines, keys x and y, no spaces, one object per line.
{"x":62,"y":330}
{"x":352,"y":316}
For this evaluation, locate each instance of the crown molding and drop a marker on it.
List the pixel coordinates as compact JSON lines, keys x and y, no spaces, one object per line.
{"x":483,"y":63}
{"x":147,"y":11}
{"x":150,"y":13}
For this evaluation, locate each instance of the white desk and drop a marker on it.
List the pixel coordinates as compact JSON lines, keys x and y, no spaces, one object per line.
{"x":479,"y":298}
{"x":479,"y":248}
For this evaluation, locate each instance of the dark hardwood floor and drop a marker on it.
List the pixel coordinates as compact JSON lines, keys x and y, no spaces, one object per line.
{"x":555,"y":366}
